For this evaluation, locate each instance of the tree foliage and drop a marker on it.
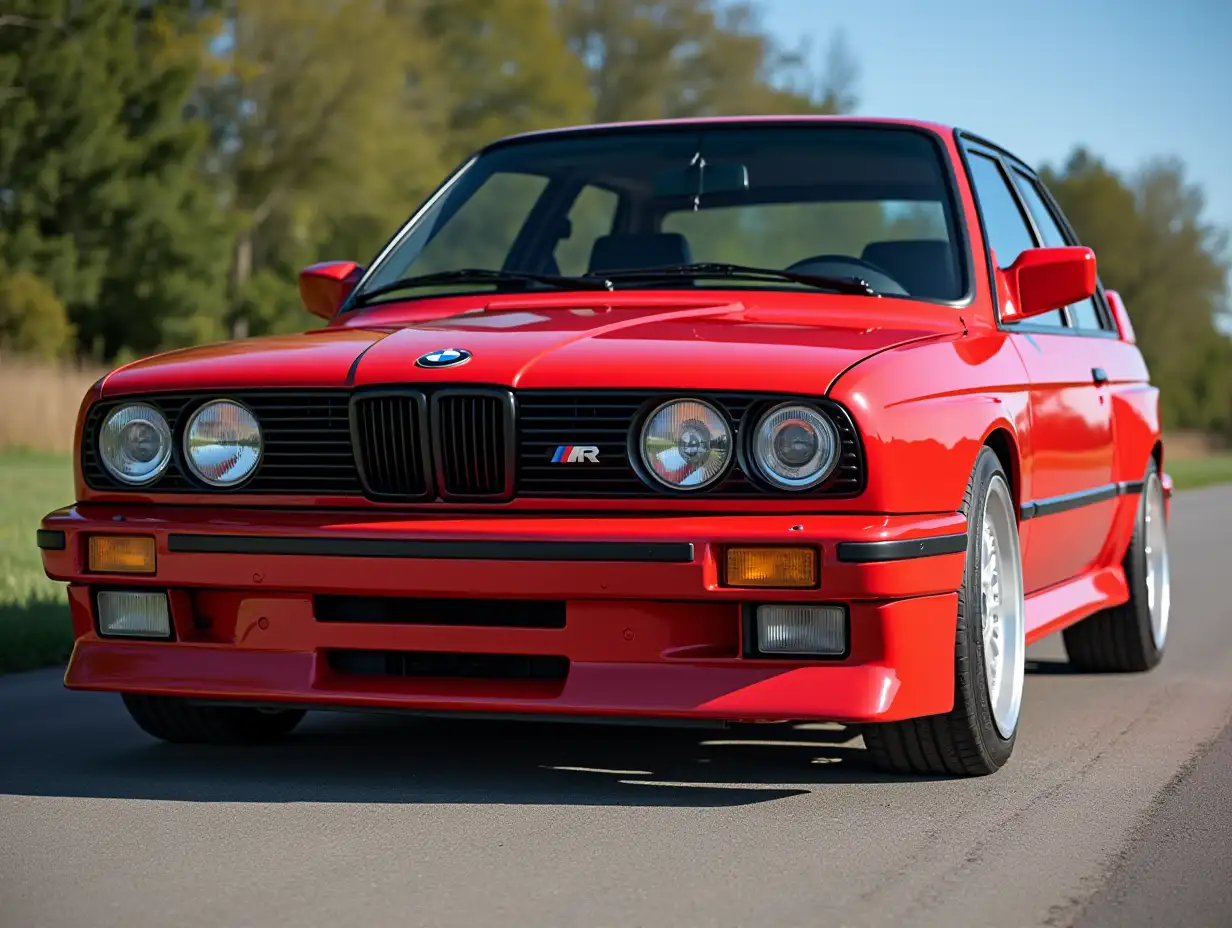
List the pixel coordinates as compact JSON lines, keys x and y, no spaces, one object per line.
{"x":1153,"y":246}
{"x":33,"y":321}
{"x":654,"y":59}
{"x":100,"y":194}
{"x":166,"y":168}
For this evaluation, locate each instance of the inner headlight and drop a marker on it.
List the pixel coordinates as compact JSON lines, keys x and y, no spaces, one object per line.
{"x":795,"y":446}
{"x":134,"y":443}
{"x":686,"y":444}
{"x":222,"y":443}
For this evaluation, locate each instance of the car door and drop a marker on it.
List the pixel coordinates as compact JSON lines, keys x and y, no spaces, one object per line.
{"x":1067,"y":488}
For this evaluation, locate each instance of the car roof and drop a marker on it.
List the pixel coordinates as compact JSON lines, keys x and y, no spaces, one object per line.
{"x":773,"y":119}
{"x":782,"y":119}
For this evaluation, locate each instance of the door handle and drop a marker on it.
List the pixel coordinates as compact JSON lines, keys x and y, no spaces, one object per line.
{"x":1099,"y":375}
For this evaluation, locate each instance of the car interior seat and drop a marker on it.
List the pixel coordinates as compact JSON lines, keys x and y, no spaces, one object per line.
{"x":639,"y":250}
{"x":924,"y":267}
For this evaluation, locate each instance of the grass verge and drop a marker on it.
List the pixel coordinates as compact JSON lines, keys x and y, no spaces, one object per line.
{"x":1191,"y":473}
{"x":35,"y":630}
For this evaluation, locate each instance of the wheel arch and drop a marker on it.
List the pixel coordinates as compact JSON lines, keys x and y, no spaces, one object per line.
{"x":1001,"y":440}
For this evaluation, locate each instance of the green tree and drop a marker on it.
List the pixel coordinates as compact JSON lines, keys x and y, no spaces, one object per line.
{"x":33,"y":321}
{"x":99,"y":193}
{"x":1153,"y":245}
{"x":651,"y":59}
{"x":505,"y":68}
{"x":325,"y":127}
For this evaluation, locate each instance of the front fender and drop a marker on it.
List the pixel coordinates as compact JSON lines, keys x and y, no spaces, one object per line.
{"x":925,"y":410}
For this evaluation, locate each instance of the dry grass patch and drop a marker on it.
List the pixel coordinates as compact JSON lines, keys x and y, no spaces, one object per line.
{"x":39,"y":402}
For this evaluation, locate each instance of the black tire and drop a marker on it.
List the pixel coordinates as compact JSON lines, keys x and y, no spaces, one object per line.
{"x":964,"y":741}
{"x":182,"y":722}
{"x":1121,"y":639}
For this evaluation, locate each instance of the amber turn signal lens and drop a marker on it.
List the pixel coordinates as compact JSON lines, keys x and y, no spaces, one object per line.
{"x":781,"y":568}
{"x":121,"y":554}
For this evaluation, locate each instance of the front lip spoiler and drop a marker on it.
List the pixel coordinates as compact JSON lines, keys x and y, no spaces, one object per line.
{"x":628,"y":551}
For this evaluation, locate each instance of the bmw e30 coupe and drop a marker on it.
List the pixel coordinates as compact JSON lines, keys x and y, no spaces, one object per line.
{"x":741,"y":420}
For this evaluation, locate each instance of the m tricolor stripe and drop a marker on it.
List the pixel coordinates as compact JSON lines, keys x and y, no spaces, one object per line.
{"x":562,"y":454}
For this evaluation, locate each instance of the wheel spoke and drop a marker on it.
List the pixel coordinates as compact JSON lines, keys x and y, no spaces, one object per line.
{"x":1001,"y":608}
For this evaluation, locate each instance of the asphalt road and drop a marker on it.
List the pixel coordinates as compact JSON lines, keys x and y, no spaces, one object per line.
{"x":1114,"y":811}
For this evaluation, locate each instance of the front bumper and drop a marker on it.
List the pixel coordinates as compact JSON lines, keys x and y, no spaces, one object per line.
{"x":647,"y":629}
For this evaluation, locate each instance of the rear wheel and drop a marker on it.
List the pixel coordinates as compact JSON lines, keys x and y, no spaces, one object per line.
{"x":1131,"y":637}
{"x":977,"y":736}
{"x":170,"y":718}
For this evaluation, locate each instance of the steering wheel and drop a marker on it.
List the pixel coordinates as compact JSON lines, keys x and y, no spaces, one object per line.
{"x":847,"y":266}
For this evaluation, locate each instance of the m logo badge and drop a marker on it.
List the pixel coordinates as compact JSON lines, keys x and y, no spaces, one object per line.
{"x":576,"y":454}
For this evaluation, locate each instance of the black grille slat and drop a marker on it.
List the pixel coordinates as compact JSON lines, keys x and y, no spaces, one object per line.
{"x":445,"y":665}
{"x":474,"y":613}
{"x":473,"y":438}
{"x":389,"y":444}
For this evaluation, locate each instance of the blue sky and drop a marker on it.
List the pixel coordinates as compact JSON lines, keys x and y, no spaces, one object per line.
{"x":1131,"y":80}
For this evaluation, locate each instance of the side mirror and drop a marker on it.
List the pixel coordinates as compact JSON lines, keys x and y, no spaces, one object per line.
{"x":324,"y":287}
{"x":1120,"y":315}
{"x":1044,"y":279}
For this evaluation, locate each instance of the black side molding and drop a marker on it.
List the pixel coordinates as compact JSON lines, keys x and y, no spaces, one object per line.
{"x":50,"y":539}
{"x":1064,"y":503}
{"x":873,"y":552}
{"x":629,"y":551}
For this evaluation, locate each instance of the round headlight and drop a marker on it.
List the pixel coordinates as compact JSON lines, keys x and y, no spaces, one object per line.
{"x":686,"y":444}
{"x":795,"y":447}
{"x":134,"y":443}
{"x":222,"y":443}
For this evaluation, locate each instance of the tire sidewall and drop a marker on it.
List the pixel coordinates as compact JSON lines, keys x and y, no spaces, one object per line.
{"x":970,"y":645}
{"x":1135,"y":574}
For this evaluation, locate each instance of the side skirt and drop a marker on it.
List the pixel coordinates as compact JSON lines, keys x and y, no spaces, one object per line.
{"x":1062,"y":605}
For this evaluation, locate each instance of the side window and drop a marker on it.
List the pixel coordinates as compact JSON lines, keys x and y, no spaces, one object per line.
{"x":591,"y":216}
{"x":1006,"y":227}
{"x":1085,"y":315}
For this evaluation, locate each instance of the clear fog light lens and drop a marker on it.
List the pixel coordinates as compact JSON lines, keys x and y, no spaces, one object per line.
{"x":222,"y":443}
{"x":796,"y":447}
{"x":135,"y":443}
{"x":796,"y":629}
{"x":686,"y":444}
{"x":133,"y":615}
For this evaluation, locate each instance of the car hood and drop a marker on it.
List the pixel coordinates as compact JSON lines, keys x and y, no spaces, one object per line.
{"x":664,"y":343}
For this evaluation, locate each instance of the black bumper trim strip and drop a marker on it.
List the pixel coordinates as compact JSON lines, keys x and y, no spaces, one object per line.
{"x":1053,"y":504}
{"x":628,"y":551}
{"x":872,"y":552}
{"x":50,"y":539}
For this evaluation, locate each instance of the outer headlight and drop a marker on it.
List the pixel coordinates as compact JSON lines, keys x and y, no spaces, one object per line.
{"x":795,"y":447}
{"x":686,"y":444}
{"x":134,"y":443}
{"x":222,"y":443}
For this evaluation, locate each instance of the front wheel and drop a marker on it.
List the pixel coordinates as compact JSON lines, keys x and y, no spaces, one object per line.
{"x":170,"y":718}
{"x":977,"y":736}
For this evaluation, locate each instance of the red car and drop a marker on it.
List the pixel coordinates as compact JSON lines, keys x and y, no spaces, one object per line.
{"x":758,"y":419}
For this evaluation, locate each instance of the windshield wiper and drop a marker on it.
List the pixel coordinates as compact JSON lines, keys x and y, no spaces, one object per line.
{"x":856,"y":285}
{"x":478,"y":275}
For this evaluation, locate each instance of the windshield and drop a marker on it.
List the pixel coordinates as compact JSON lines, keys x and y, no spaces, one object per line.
{"x":840,"y":201}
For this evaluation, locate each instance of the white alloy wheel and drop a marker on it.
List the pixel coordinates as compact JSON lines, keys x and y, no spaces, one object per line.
{"x":1158,"y":570}
{"x":1002,"y":613}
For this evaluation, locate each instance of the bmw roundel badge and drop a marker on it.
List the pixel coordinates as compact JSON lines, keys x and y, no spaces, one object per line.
{"x":444,"y":357}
